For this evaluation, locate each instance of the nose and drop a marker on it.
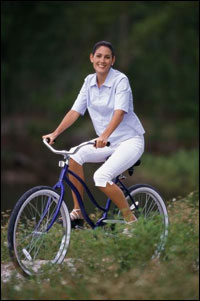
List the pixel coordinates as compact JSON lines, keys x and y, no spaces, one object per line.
{"x":102,"y":60}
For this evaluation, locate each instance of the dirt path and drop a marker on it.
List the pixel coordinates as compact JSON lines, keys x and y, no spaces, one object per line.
{"x":8,"y":269}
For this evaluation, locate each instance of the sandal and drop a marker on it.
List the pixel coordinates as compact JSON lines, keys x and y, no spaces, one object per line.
{"x":129,"y":230}
{"x":76,"y":220}
{"x":75,"y":215}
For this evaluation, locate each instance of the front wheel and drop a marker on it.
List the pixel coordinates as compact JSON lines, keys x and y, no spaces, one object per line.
{"x":30,"y":244}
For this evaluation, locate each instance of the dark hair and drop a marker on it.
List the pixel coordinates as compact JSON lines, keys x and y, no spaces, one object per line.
{"x":103,"y":43}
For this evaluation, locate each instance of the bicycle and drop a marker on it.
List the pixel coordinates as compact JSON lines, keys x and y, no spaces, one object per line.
{"x":34,"y":228}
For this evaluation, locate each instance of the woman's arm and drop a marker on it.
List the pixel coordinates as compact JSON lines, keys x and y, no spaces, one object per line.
{"x":67,"y":121}
{"x":115,"y":121}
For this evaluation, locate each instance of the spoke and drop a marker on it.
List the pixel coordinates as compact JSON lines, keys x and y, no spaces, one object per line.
{"x":38,"y":248}
{"x":150,"y":208}
{"x":156,"y":213}
{"x":31,"y":240}
{"x":20,"y":242}
{"x":33,"y":207}
{"x":34,"y":242}
{"x":29,"y":210}
{"x":29,"y":247}
{"x":144,"y":208}
{"x":36,"y":239}
{"x":49,"y":218}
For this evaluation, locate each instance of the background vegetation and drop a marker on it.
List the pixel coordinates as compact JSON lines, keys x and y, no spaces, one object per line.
{"x":45,"y":58}
{"x":104,"y":267}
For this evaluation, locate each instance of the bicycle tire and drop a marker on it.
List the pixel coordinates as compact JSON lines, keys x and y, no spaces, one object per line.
{"x":151,"y":207}
{"x":30,"y":245}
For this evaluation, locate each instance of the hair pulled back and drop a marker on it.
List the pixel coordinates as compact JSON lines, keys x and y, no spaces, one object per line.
{"x":103,"y":43}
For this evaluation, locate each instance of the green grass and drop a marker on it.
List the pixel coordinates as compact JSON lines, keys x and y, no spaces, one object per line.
{"x":120,"y":268}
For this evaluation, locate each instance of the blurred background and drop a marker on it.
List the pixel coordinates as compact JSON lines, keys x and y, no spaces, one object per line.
{"x":44,"y":60}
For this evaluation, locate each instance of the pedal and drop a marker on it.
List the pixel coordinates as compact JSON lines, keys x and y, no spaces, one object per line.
{"x":113,"y":221}
{"x":77,"y":222}
{"x":77,"y":227}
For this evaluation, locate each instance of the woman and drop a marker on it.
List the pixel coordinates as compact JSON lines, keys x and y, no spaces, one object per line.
{"x":107,"y":96}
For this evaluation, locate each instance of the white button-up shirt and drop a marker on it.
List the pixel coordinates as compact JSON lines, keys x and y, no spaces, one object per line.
{"x":114,"y":94}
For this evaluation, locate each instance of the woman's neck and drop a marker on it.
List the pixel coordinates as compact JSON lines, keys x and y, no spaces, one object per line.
{"x":101,"y":79}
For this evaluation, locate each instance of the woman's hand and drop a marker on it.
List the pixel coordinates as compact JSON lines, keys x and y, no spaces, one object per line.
{"x":115,"y":121}
{"x":101,"y":142}
{"x":51,"y":137}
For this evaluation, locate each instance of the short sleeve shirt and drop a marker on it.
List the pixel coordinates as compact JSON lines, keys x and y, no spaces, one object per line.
{"x":114,"y":94}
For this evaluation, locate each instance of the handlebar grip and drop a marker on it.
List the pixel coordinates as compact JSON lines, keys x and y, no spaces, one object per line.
{"x":48,"y":140}
{"x":107,"y":144}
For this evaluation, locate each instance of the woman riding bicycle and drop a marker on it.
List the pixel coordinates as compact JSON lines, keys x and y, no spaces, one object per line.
{"x":107,"y":96}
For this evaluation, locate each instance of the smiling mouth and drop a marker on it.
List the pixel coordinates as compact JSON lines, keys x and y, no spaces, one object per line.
{"x":101,"y":66}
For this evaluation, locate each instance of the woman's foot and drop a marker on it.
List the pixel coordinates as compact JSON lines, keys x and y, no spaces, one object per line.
{"x":76,"y":218}
{"x":76,"y":214}
{"x":129,"y":228}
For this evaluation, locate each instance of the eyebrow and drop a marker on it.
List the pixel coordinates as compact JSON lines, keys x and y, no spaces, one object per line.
{"x":103,"y":54}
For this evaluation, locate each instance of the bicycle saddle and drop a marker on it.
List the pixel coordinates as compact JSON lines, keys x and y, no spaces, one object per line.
{"x":131,"y":169}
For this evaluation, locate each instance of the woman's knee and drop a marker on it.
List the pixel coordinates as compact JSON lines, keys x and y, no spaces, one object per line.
{"x":101,"y":179}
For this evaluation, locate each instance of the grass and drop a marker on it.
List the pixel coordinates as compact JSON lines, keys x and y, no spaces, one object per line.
{"x":109,"y":267}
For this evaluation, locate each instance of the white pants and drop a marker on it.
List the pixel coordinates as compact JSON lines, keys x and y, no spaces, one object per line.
{"x":116,"y":158}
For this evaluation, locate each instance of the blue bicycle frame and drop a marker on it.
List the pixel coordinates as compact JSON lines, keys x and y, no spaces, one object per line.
{"x":60,"y":185}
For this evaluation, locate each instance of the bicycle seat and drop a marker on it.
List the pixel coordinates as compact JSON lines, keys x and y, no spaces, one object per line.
{"x":131,"y":169}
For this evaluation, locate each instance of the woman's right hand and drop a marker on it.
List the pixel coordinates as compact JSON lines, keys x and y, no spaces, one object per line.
{"x":51,"y":137}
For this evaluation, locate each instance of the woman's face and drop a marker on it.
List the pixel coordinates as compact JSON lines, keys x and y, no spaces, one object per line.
{"x":102,"y":60}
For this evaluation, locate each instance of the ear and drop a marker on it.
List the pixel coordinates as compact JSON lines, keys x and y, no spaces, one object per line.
{"x":91,"y":57}
{"x":113,"y":60}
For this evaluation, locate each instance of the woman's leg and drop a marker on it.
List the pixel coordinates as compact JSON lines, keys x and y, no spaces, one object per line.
{"x":116,"y":195}
{"x":78,"y":169}
{"x":125,"y":155}
{"x":112,"y":191}
{"x":86,"y":154}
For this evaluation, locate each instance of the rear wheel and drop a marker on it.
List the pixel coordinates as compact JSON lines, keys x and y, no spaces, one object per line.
{"x":149,"y":208}
{"x":147,"y":204}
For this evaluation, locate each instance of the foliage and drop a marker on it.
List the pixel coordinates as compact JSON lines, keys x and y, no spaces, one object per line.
{"x":46,"y":45}
{"x":45,"y":49}
{"x":173,"y":174}
{"x":119,"y":268}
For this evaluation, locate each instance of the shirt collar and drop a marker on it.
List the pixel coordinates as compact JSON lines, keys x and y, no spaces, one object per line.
{"x":108,"y":81}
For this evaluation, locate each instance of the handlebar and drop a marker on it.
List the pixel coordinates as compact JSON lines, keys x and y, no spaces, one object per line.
{"x":107,"y":144}
{"x":65,"y":153}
